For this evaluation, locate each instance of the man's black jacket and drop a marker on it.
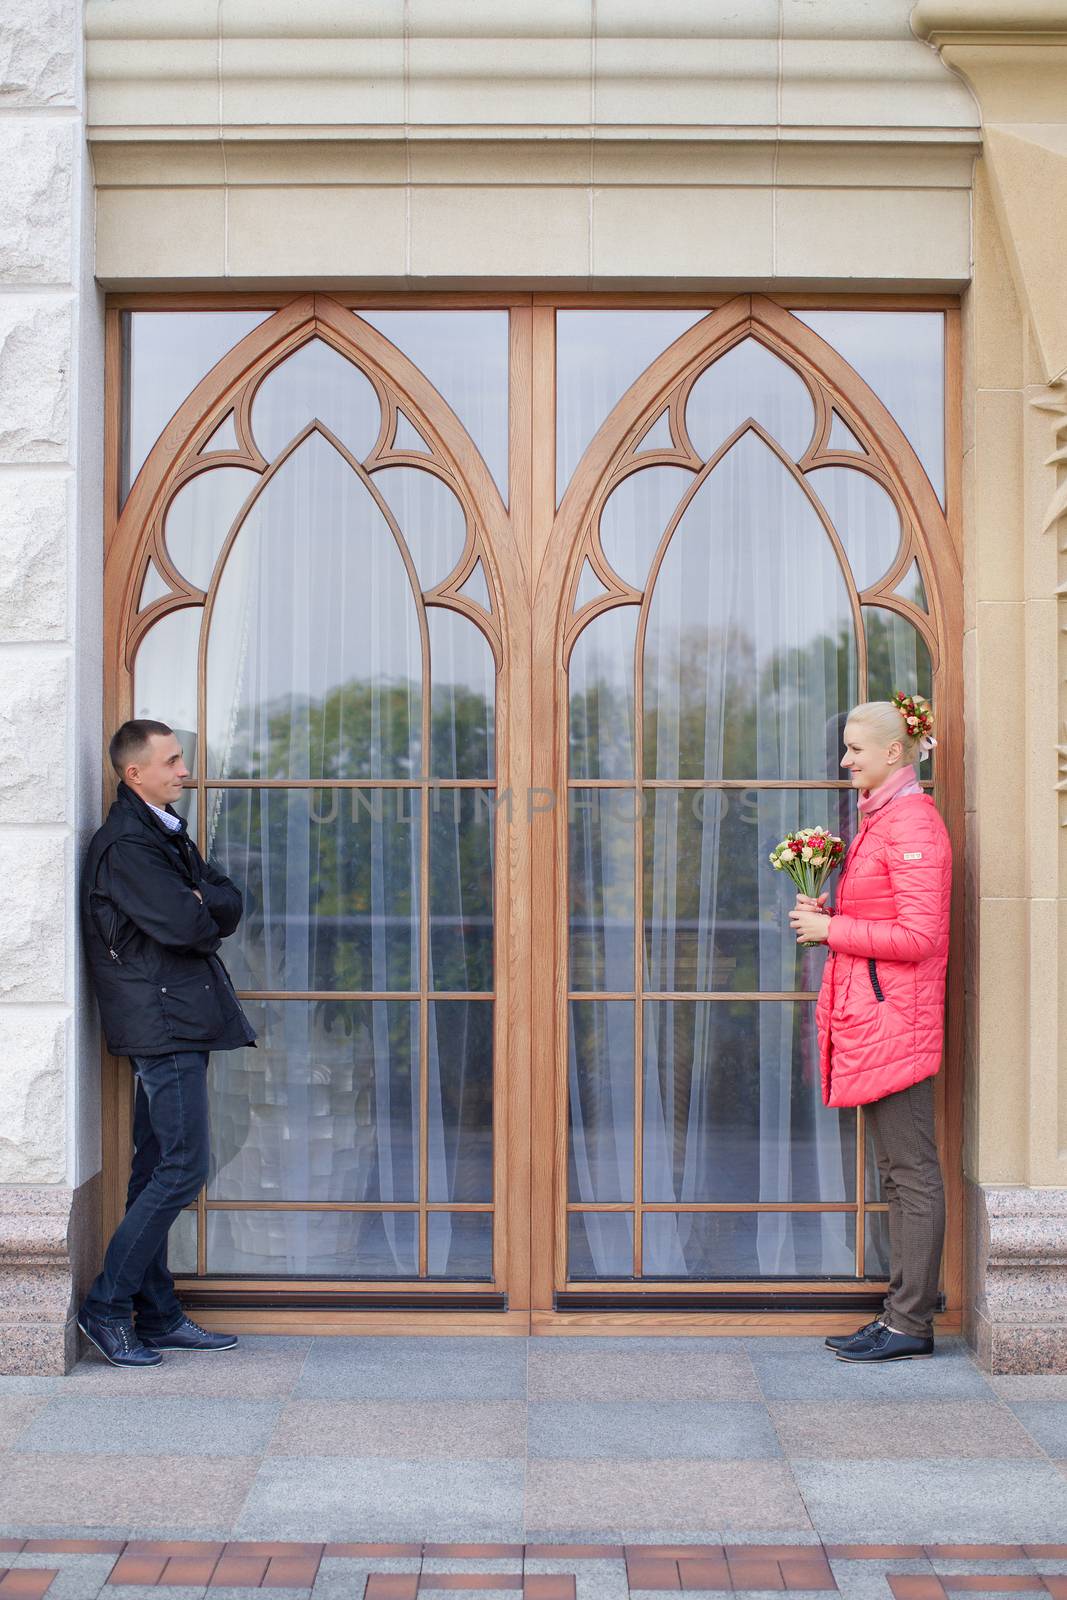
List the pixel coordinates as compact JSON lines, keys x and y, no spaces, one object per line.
{"x":152,"y":944}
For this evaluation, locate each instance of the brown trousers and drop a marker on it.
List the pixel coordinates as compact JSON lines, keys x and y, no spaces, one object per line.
{"x":902,"y":1131}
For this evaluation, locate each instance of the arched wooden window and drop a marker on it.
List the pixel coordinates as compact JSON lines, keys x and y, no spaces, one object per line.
{"x":748,"y":547}
{"x":306,"y":581}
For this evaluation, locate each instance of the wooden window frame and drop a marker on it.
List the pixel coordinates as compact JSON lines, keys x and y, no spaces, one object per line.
{"x":548,"y":546}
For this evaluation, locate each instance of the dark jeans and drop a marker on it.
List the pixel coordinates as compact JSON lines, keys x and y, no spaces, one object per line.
{"x":902,"y":1131}
{"x":170,"y":1162}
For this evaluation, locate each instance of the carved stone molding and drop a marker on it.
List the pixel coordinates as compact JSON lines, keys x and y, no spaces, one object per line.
{"x":49,"y":1240}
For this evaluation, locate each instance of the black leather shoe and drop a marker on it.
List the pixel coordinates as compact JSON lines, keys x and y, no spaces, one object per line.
{"x":848,"y":1341}
{"x":188,"y":1335}
{"x":117,"y":1343}
{"x":887,"y":1345}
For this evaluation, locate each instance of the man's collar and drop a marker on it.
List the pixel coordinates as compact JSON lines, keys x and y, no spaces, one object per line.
{"x":149,"y":814}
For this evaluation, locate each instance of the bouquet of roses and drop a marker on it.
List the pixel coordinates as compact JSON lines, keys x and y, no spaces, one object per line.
{"x":809,"y":856}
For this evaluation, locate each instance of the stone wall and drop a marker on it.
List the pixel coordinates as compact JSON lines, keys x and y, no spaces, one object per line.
{"x":50,"y":450}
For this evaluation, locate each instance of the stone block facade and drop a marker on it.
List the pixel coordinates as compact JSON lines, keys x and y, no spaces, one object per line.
{"x":50,"y":447}
{"x":623,"y":147}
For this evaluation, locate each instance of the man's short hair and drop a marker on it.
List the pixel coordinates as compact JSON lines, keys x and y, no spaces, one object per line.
{"x":129,"y":743}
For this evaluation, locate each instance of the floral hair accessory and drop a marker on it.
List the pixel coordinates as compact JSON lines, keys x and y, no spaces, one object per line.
{"x":918,"y":718}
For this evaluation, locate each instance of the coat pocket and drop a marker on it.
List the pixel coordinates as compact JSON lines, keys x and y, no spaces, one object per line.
{"x":191,"y":1008}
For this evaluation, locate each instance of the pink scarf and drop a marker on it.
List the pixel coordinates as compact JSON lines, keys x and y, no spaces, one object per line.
{"x":903,"y":782}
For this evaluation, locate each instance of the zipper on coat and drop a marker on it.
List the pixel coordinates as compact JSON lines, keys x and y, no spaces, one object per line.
{"x":872,"y":968}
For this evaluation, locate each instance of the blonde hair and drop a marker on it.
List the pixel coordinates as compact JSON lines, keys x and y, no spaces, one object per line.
{"x":884,"y":720}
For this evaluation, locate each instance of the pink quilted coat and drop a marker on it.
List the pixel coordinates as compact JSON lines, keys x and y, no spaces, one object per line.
{"x":881,"y":1008}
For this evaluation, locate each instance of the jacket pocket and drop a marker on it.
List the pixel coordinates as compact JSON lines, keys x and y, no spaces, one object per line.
{"x":191,"y":1008}
{"x":872,"y":968}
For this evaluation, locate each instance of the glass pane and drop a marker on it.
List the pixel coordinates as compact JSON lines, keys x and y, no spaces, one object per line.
{"x":465,"y":356}
{"x":589,"y":587}
{"x":658,"y":436}
{"x":842,"y":438}
{"x":167,"y":354}
{"x":459,"y":1244}
{"x":199,"y":518}
{"x":326,"y":1107}
{"x":315,"y":656}
{"x":329,"y":878}
{"x":601,"y":1100}
{"x":912,"y":588}
{"x":153,"y":588}
{"x":601,"y":872}
{"x":748,"y":671}
{"x":876,"y":1245}
{"x":181,"y":1244}
{"x":601,"y":677}
{"x":716,"y":912}
{"x":223,"y":438}
{"x":873,"y":1188}
{"x":864,"y":517}
{"x":430,"y":518}
{"x":748,"y":381}
{"x":600,"y":1245}
{"x":164,"y":679}
{"x":462,"y":697}
{"x":461,"y":1100}
{"x":897,"y":657}
{"x":901,"y":355}
{"x":476,"y":588}
{"x":635,"y":517}
{"x":733,"y":1106}
{"x":732,"y":1244}
{"x":461,"y":889}
{"x":599,"y":354}
{"x":316,"y":384}
{"x":325,"y":1244}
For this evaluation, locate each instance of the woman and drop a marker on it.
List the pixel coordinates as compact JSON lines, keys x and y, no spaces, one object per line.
{"x":880,"y":1014}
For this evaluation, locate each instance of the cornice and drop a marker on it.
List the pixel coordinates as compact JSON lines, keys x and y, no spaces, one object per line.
{"x":990,"y":22}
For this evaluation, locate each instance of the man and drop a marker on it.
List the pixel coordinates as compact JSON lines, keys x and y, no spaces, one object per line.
{"x":154,"y":914}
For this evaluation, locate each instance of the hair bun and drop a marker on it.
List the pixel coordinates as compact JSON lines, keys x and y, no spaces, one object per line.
{"x":918,"y":718}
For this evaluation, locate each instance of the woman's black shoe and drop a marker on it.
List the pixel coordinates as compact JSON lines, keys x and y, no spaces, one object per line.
{"x":117,"y":1343}
{"x":848,"y":1341}
{"x":889,"y":1346}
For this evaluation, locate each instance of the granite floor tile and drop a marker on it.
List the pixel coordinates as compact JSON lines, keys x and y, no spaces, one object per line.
{"x":334,"y":1497}
{"x":803,"y":1369}
{"x":421,"y":1431}
{"x":934,"y":1502}
{"x":75,"y":1494}
{"x":236,"y":1592}
{"x":471,"y":1594}
{"x":983,"y":1568}
{"x":581,"y":1496}
{"x":1030,"y":1386}
{"x":625,"y":1369}
{"x":899,"y":1430}
{"x":17,"y":1411}
{"x":148,"y":1427}
{"x":260,"y":1368}
{"x":10,"y":1385}
{"x":866,"y":1580}
{"x":414,"y":1369}
{"x":644,"y":1429}
{"x":138,"y":1591}
{"x":1046,"y":1422}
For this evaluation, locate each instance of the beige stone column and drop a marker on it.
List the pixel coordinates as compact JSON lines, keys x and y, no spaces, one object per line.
{"x":1013,"y":55}
{"x":50,"y":378}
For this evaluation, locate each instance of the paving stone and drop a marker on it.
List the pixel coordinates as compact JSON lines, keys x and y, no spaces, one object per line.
{"x":802,"y":1369}
{"x":315,"y":1497}
{"x":657,"y":1430}
{"x":933,"y":1501}
{"x":615,"y":1369}
{"x":151,"y":1427}
{"x":903,"y":1430}
{"x":412,"y":1369}
{"x":1046,"y":1422}
{"x":260,"y":1368}
{"x":673,"y":1495}
{"x":17,"y":1411}
{"x":48,"y":1491}
{"x":417,"y":1431}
